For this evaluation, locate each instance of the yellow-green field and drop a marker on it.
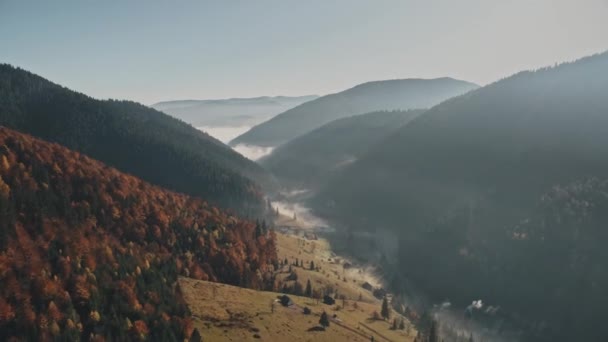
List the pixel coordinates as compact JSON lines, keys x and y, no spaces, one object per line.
{"x":228,"y":313}
{"x":332,"y":273}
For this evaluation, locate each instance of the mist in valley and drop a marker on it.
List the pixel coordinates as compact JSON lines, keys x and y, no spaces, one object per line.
{"x":374,"y":259}
{"x":224,"y":133}
{"x":369,"y":171}
{"x":253,"y":152}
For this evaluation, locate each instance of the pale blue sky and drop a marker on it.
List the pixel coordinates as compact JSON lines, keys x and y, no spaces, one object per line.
{"x":150,"y":51}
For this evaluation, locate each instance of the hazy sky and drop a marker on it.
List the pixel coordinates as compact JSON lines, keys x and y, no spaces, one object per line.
{"x":158,"y":50}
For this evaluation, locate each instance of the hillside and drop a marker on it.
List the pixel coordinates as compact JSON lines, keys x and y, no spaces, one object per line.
{"x":90,"y":253}
{"x":364,"y":98}
{"x":230,"y":112}
{"x":453,"y":182}
{"x":227,"y":313}
{"x":133,"y":138}
{"x":309,"y":160}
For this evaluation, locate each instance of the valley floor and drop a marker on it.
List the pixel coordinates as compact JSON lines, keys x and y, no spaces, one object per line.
{"x":228,"y":313}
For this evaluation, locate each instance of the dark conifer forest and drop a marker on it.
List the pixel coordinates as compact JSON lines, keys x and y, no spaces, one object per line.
{"x":312,"y":158}
{"x":133,"y":138}
{"x":497,"y":194}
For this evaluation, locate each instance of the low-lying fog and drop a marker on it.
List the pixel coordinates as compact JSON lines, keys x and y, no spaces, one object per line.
{"x":253,"y":152}
{"x":303,"y":214}
{"x":226,"y":133}
{"x":307,"y":219}
{"x":455,"y":323}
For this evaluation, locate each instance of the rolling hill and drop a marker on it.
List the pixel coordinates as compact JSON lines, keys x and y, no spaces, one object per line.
{"x":90,"y":253}
{"x":455,"y":184}
{"x":133,"y":138}
{"x":310,"y":159}
{"x":230,"y":112}
{"x":361,"y":99}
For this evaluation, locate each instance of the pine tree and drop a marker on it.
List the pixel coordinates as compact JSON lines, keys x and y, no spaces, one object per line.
{"x":385,"y":312}
{"x":258,"y":229}
{"x":433,"y":336}
{"x":402,"y":324}
{"x":324,"y":320}
{"x":196,"y":336}
{"x":308,"y":291}
{"x":297,"y":289}
{"x":312,"y":265}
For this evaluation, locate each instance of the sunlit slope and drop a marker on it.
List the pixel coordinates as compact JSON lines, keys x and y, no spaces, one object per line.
{"x":227,"y":313}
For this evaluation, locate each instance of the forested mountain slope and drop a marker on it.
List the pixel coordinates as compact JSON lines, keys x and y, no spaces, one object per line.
{"x":361,"y":99}
{"x":90,"y":253}
{"x":131,"y":137}
{"x":454,"y":182}
{"x":309,"y":160}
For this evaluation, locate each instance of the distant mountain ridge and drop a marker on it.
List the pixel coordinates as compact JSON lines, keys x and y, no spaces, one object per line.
{"x":364,"y":98}
{"x":232,"y":111}
{"x":235,"y":100}
{"x":132,"y":138}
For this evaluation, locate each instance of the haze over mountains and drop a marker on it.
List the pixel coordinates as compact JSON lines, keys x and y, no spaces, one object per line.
{"x":501,"y":189}
{"x":310,"y":159}
{"x":133,"y":138}
{"x":361,"y":99}
{"x":405,"y":203}
{"x":229,"y":118}
{"x":236,"y":112}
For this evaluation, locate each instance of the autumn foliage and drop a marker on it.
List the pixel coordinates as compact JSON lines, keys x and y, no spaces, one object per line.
{"x":87,"y":252}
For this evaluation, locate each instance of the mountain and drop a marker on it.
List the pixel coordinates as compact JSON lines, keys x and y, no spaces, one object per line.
{"x":230,"y":112}
{"x":364,"y":98}
{"x":133,"y":138}
{"x":90,"y":253}
{"x":454,"y":184}
{"x":310,"y":159}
